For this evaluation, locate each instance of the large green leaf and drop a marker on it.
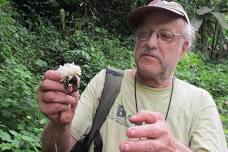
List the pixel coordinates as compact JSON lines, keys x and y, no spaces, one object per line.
{"x":204,"y":10}
{"x":6,"y":146}
{"x":13,"y":133}
{"x":196,"y":22}
{"x":27,"y":138}
{"x":221,"y":18}
{"x":4,"y":136}
{"x":2,"y":2}
{"x":41,"y":63}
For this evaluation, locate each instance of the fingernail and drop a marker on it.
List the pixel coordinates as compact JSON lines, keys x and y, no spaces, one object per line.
{"x":126,"y":147}
{"x":132,"y":131}
{"x":132,"y":117}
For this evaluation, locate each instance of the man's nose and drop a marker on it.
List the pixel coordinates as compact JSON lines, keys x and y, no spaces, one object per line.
{"x":153,"y":40}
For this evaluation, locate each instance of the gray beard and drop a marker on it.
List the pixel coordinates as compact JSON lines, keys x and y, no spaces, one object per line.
{"x":154,"y":78}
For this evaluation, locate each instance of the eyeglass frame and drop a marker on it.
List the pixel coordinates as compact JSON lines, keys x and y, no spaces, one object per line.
{"x":157,"y":35}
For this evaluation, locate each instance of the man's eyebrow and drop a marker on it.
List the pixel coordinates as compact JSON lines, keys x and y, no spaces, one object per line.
{"x":149,"y":28}
{"x":143,"y":27}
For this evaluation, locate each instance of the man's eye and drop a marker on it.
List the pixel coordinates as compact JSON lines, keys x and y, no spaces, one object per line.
{"x":165,"y":35}
{"x":144,"y":34}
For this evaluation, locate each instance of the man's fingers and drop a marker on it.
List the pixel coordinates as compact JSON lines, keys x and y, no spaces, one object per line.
{"x":48,"y":85}
{"x":142,"y":145}
{"x":52,"y":75}
{"x":151,"y":125}
{"x":52,"y":81}
{"x":53,"y":117}
{"x":149,"y":131}
{"x":57,"y":97}
{"x":75,"y":94}
{"x":52,"y":108}
{"x":146,"y":117}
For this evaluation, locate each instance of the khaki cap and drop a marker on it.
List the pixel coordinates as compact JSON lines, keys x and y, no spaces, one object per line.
{"x":137,"y":14}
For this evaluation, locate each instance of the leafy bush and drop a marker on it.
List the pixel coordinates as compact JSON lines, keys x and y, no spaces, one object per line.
{"x":97,"y":49}
{"x":3,"y":2}
{"x":17,"y":85}
{"x":19,"y":141}
{"x":210,"y":76}
{"x":20,"y":120}
{"x":19,"y":111}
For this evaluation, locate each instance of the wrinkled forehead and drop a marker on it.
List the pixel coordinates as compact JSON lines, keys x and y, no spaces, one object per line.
{"x":161,"y":17}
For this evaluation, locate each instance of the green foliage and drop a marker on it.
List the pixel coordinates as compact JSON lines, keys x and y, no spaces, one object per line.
{"x":18,"y":86}
{"x":210,"y":76}
{"x":97,"y":53}
{"x":67,"y":13}
{"x":19,"y":141}
{"x":18,"y":80}
{"x":208,"y":18}
{"x":3,"y":2}
{"x":92,"y":53}
{"x":18,"y":108}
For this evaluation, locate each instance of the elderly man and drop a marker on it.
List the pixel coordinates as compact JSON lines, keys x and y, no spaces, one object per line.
{"x":174,"y":115}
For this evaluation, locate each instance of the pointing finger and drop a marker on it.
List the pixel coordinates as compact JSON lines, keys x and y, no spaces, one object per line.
{"x":146,"y":117}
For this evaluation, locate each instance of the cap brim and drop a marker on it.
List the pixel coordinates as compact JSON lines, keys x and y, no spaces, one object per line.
{"x":138,"y":14}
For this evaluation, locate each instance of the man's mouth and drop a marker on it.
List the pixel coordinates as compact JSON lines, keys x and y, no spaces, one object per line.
{"x":148,"y":55}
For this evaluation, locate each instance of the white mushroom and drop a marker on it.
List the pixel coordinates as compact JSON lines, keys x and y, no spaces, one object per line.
{"x":68,"y":74}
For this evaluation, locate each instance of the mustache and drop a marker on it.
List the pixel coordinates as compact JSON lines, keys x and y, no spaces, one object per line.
{"x":149,"y":52}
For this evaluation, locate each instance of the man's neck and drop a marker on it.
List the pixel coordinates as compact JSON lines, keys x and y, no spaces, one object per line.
{"x":154,"y":82}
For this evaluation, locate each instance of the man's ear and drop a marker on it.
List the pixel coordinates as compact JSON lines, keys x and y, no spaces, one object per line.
{"x":185,"y":48}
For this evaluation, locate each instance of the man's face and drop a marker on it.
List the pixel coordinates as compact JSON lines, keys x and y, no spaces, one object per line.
{"x":155,"y":56}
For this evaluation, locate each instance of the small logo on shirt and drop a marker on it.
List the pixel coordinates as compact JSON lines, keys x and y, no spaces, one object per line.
{"x":119,"y":115}
{"x":121,"y":112}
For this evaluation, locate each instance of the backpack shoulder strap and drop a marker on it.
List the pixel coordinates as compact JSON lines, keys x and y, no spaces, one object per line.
{"x":110,"y":91}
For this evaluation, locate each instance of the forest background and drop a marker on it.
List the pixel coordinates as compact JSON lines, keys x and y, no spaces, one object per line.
{"x":40,"y":35}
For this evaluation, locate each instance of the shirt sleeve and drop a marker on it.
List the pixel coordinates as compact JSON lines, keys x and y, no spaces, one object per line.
{"x":207,"y":134}
{"x":86,"y":108}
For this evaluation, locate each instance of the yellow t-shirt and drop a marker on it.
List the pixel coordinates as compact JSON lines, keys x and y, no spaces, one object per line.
{"x":193,"y":117}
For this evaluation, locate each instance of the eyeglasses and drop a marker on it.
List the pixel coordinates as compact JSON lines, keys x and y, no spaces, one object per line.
{"x":163,"y":36}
